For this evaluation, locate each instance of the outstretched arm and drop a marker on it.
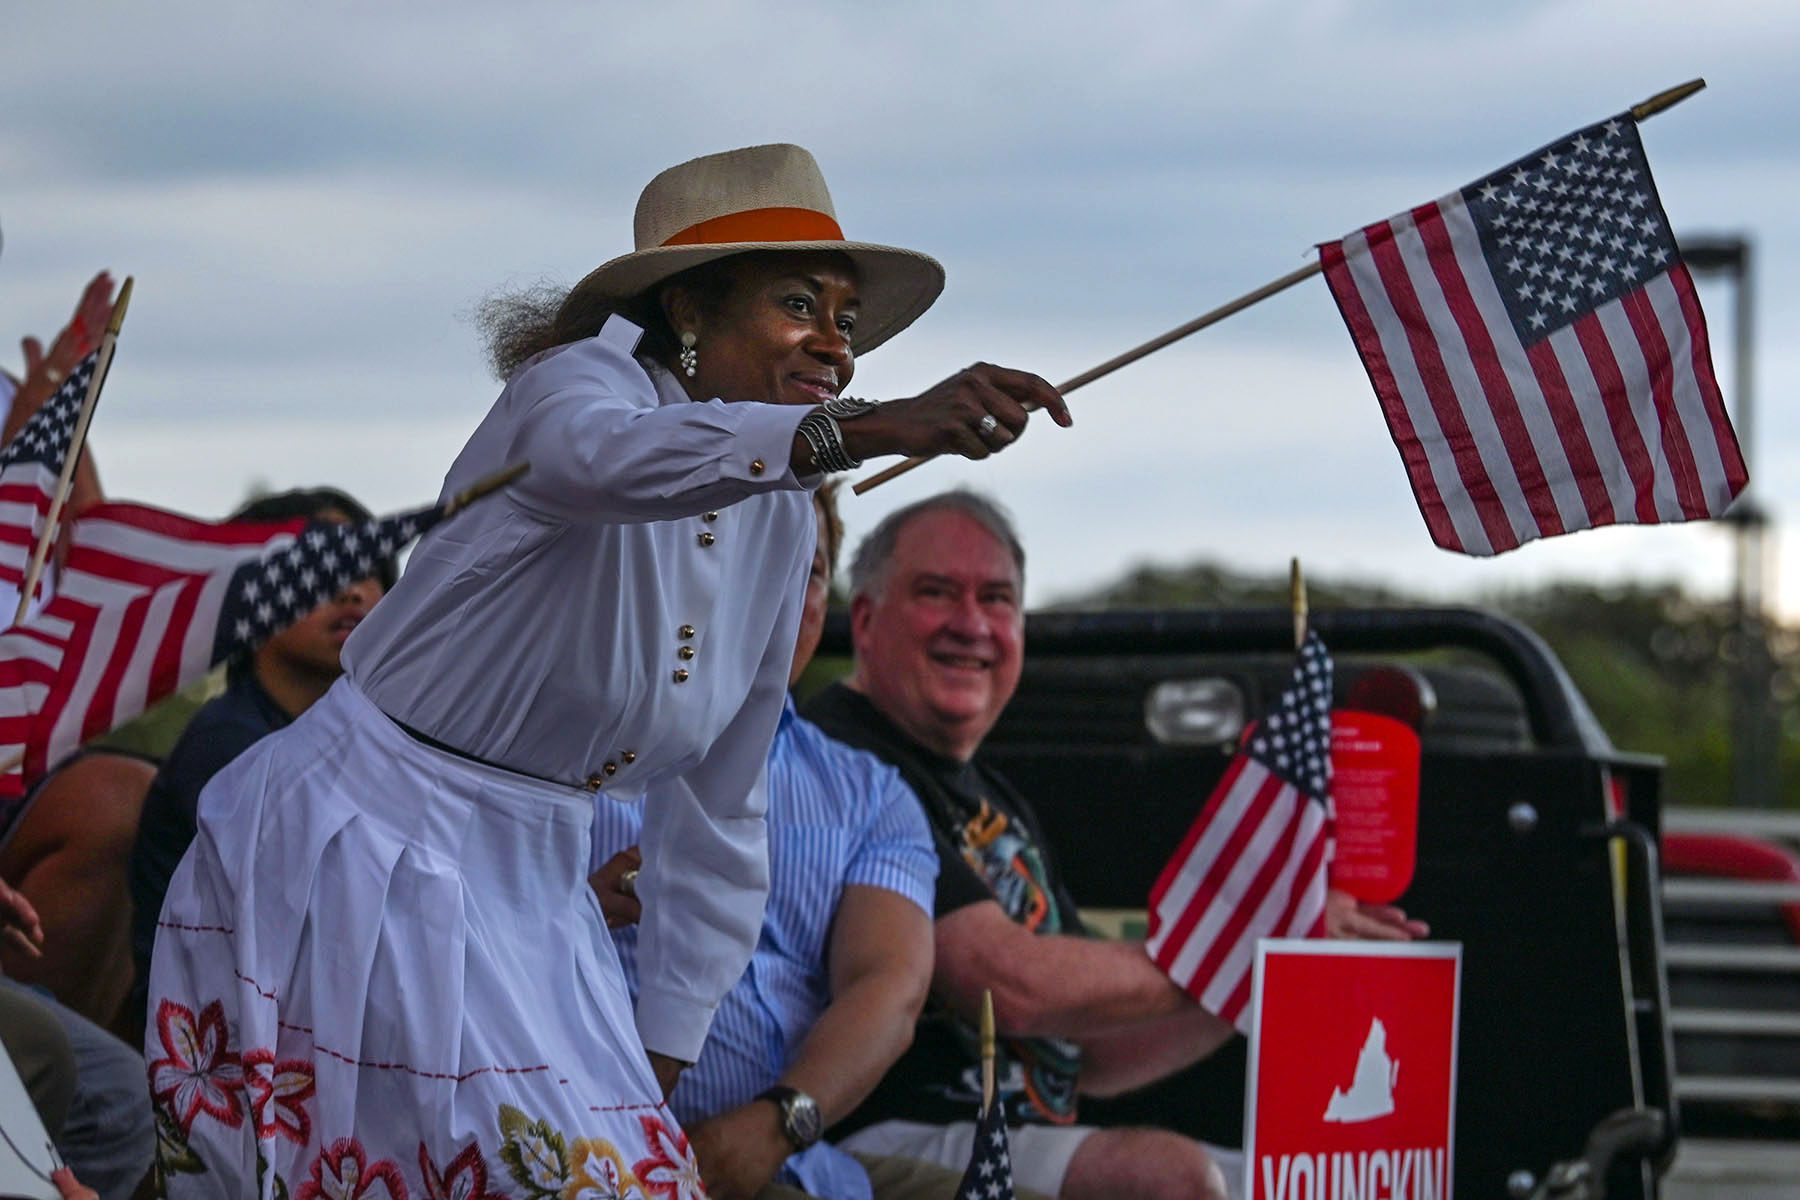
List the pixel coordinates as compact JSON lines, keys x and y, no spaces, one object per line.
{"x":1047,"y":986}
{"x":1118,"y":1062}
{"x":1133,"y":1025}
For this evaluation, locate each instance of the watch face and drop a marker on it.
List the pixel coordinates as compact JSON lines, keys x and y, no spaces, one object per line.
{"x":802,"y":1119}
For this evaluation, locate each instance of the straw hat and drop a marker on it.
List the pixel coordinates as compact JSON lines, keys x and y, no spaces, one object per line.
{"x":760,"y":198}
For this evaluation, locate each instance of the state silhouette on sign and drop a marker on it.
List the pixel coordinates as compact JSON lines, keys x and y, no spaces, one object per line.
{"x":1371,"y":1091}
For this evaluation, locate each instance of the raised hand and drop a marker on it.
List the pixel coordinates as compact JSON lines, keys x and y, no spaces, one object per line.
{"x":45,"y":371}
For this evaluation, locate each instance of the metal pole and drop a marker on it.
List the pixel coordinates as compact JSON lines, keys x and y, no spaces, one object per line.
{"x":1755,"y":729}
{"x":1761,"y":758}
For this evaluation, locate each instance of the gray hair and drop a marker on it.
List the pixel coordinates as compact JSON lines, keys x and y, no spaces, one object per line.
{"x":869,"y":568}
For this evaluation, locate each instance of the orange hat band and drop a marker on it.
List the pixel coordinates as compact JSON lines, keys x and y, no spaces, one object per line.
{"x":761,"y":225}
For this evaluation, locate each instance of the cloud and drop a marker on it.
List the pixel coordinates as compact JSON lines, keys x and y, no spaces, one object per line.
{"x":313,"y":196}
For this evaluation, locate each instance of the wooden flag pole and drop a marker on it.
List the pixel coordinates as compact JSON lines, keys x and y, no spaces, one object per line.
{"x":1130,"y":356}
{"x":41,"y":552}
{"x":1297,"y":601}
{"x":484,"y":487}
{"x":1641,"y":111}
{"x":987,"y":1051}
{"x":1667,"y":98}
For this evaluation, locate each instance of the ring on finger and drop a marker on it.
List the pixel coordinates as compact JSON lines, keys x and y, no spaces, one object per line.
{"x":987,"y":425}
{"x":53,"y":375}
{"x":628,"y":883}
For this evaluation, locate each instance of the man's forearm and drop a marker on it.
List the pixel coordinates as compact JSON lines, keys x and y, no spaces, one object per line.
{"x":855,"y":1040}
{"x":1126,"y":1059}
{"x":1051,"y":986}
{"x":1105,"y":987}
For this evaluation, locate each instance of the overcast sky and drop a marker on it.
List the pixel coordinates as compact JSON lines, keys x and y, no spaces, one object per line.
{"x":313,"y":197}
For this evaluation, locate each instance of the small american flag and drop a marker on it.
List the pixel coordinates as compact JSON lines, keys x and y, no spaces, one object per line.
{"x":989,"y":1176}
{"x":149,"y":601}
{"x":29,"y":468}
{"x":1253,"y":865}
{"x":1539,"y":350}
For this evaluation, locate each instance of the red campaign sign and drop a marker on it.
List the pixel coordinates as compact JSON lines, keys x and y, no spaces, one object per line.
{"x":1375,"y":792}
{"x":1352,"y":1082}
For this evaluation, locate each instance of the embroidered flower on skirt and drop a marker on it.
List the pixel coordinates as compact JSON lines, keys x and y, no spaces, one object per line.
{"x":598,"y":1172}
{"x":671,"y":1170}
{"x":542,"y":1161}
{"x":463,"y":1177}
{"x":199,"y":1072}
{"x":343,"y":1172}
{"x":278,"y":1095}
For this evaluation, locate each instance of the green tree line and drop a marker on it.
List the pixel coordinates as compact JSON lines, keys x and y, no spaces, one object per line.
{"x":1654,"y":662}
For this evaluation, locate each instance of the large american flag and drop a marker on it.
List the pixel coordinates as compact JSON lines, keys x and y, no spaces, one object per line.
{"x":29,"y":468}
{"x":1539,"y":351}
{"x":1254,"y":864}
{"x":149,"y":601}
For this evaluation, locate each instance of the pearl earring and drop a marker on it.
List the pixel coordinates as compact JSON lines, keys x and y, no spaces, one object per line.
{"x":690,"y":358}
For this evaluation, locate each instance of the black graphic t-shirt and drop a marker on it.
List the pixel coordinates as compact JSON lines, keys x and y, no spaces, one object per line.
{"x":988,"y":848}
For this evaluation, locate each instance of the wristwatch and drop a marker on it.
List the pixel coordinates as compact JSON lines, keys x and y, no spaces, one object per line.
{"x":800,"y":1121}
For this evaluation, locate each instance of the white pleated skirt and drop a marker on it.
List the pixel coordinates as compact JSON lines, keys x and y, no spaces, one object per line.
{"x":380,"y":975}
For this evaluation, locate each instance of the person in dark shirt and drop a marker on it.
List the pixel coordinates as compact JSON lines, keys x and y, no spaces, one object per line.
{"x":989,"y":850}
{"x":265,"y":691}
{"x":938,"y":633}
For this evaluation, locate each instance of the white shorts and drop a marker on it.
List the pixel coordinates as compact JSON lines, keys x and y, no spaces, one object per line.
{"x":1041,"y":1154}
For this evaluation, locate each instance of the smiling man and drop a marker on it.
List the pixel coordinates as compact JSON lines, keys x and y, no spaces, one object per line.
{"x":938,"y":628}
{"x":939,"y":634}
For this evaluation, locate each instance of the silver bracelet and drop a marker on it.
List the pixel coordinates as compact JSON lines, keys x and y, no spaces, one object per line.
{"x":834,"y":444}
{"x":814,"y":441}
{"x":845,"y":408}
{"x":821,"y":432}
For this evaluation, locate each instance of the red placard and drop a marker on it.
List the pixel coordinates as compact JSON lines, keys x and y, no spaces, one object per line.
{"x":1375,"y":792}
{"x":1352,"y":1082}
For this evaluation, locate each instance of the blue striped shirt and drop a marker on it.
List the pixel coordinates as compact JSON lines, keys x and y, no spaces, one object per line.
{"x":836,"y":816}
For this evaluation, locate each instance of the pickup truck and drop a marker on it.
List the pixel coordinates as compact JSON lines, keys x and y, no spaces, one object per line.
{"x":1538,"y":850}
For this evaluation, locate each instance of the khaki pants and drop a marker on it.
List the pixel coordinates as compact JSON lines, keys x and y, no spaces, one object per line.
{"x":896,"y":1179}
